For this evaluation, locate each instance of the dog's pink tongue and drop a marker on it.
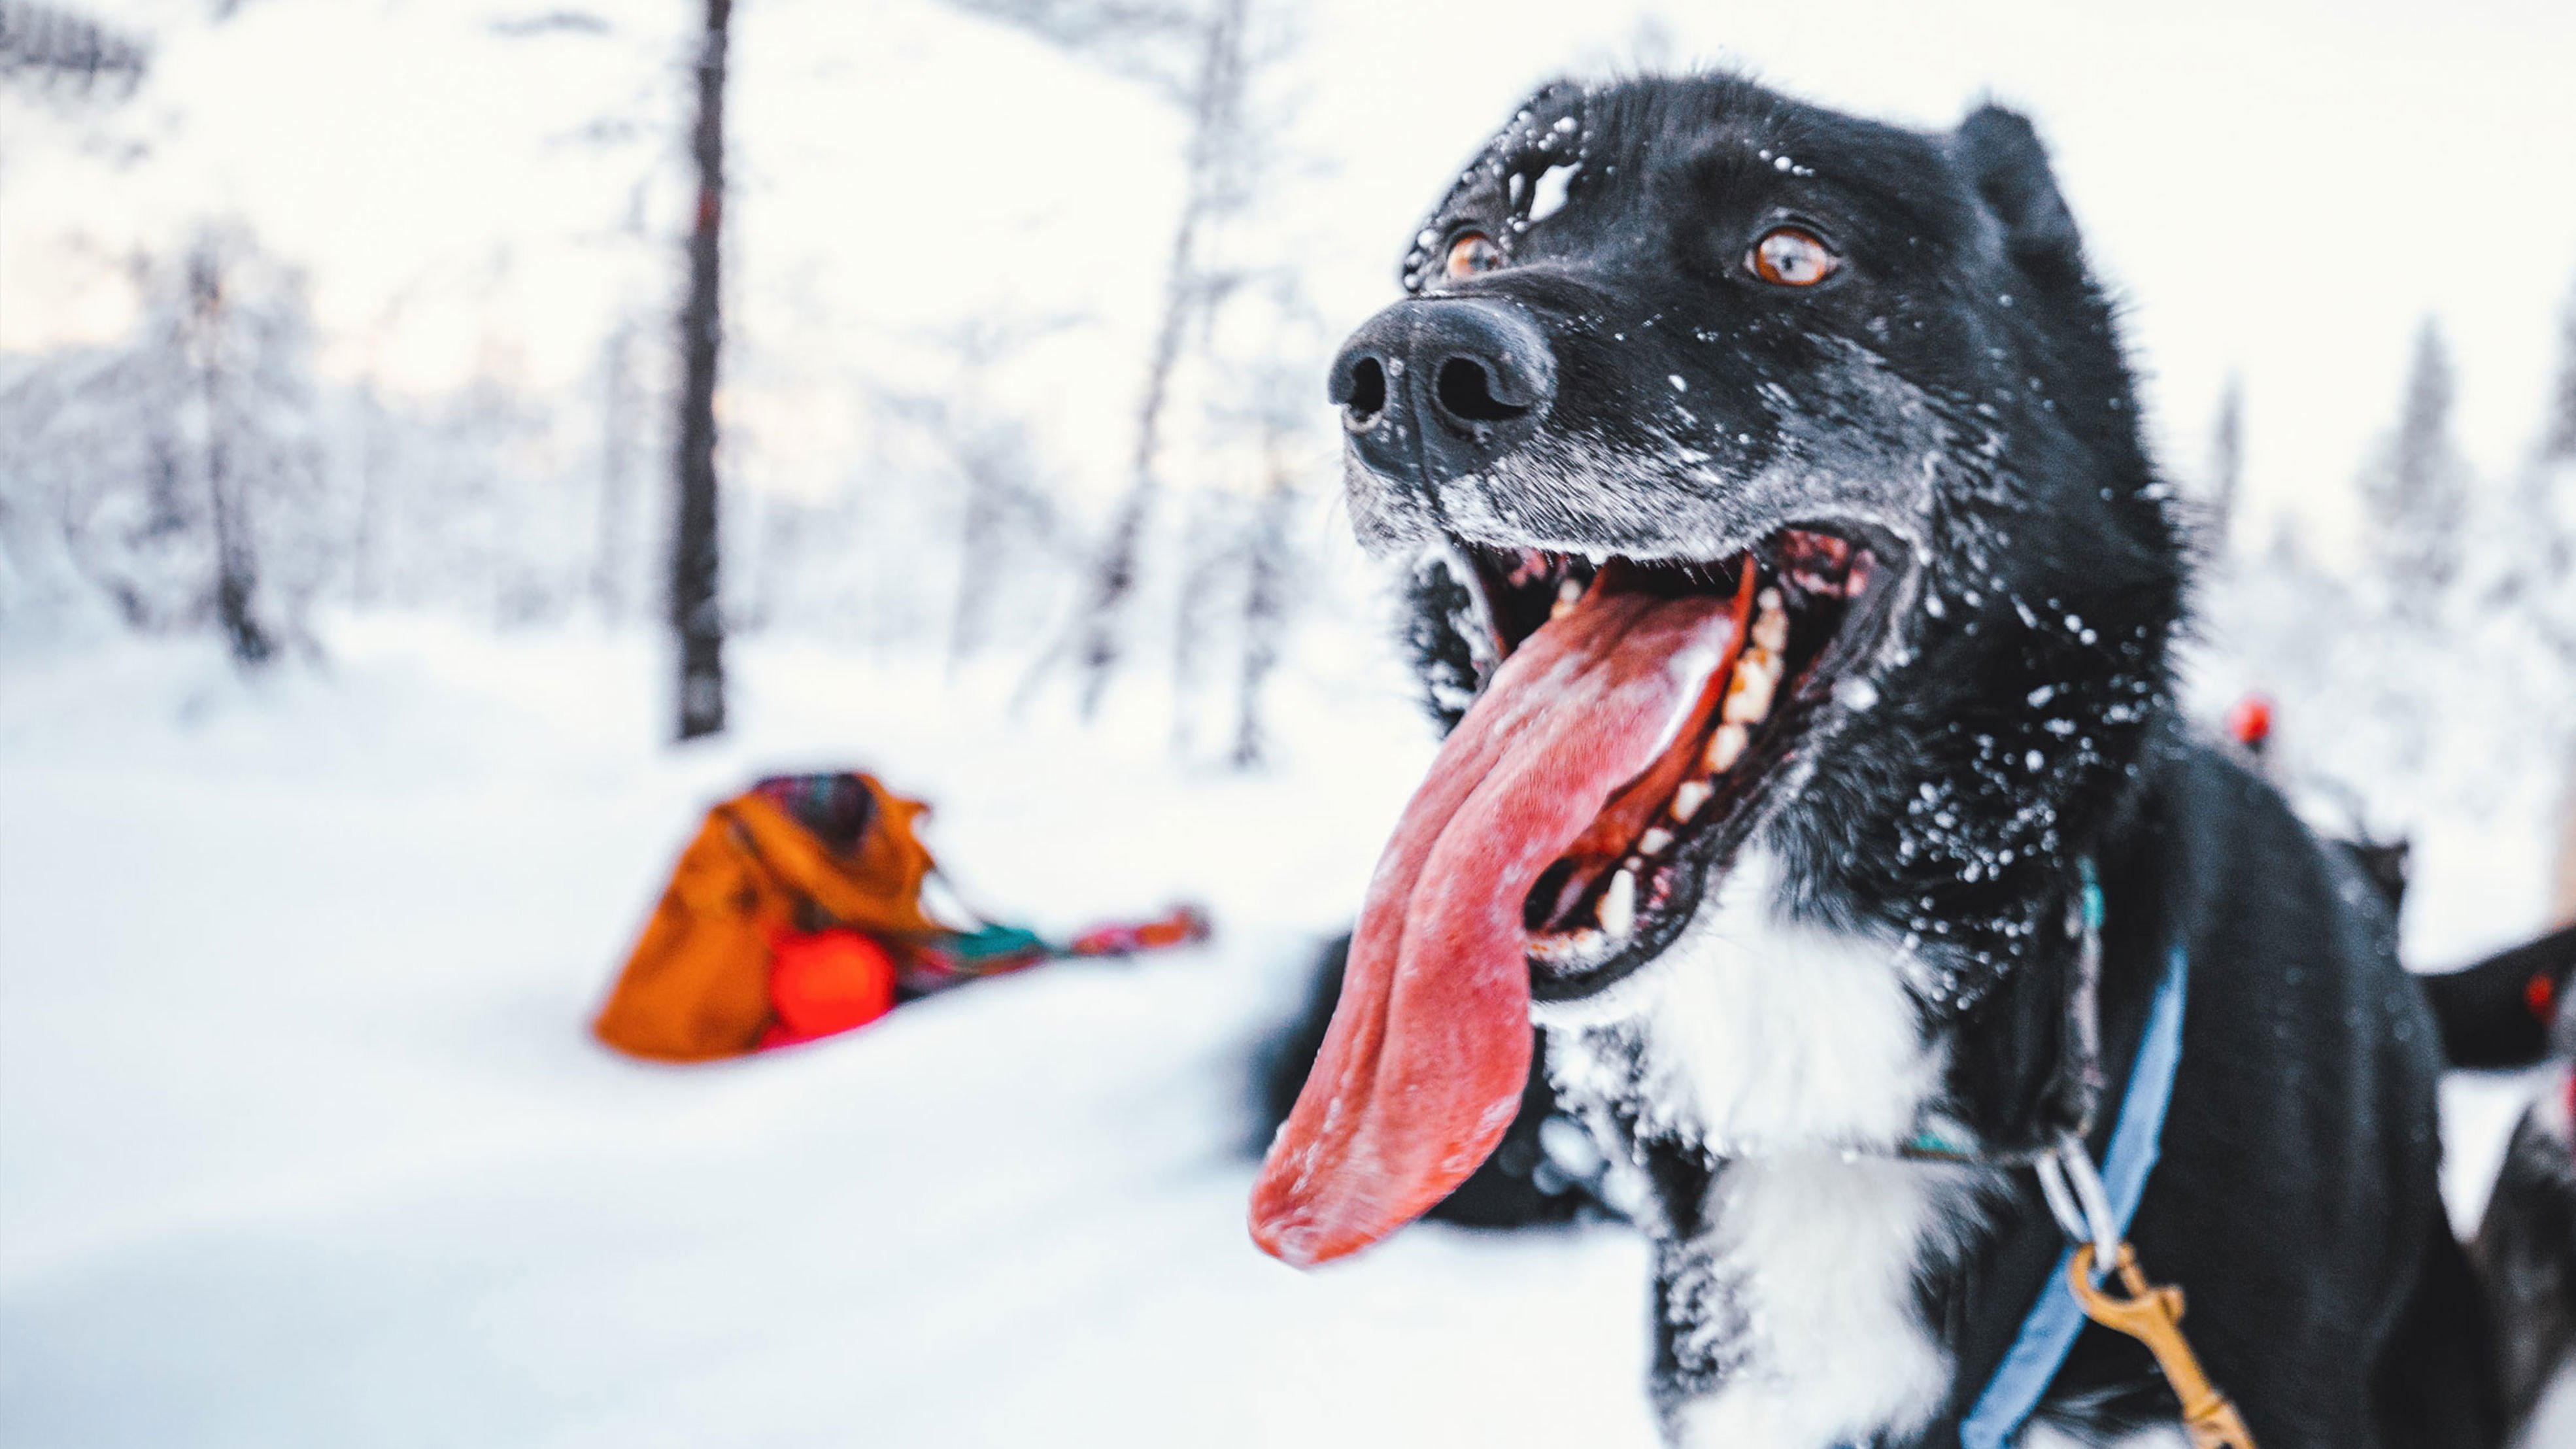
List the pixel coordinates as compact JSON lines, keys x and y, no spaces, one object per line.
{"x":1429,"y":1048}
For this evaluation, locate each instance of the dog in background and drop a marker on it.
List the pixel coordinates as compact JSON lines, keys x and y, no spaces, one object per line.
{"x":2507,"y":1012}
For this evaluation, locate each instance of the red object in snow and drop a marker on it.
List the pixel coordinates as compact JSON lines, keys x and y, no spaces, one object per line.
{"x":2250,"y":723}
{"x":823,"y":982}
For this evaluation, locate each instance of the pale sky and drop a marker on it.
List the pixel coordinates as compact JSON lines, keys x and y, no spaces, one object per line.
{"x":2278,"y":189}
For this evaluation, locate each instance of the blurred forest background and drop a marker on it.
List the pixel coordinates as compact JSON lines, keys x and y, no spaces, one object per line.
{"x":314,"y":311}
{"x":418,"y":415}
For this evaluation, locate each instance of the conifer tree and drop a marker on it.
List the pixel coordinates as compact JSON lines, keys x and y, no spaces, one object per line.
{"x":2541,"y":586}
{"x":2227,"y":464}
{"x":2558,"y":440}
{"x":46,"y":47}
{"x":181,"y":466}
{"x":2416,"y":492}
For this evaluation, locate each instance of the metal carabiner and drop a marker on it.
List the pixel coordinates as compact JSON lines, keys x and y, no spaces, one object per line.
{"x":2153,"y":1316}
{"x":2077,"y":1199}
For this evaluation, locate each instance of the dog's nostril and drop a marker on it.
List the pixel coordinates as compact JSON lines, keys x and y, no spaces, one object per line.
{"x":1466,"y":390}
{"x":1368,"y":390}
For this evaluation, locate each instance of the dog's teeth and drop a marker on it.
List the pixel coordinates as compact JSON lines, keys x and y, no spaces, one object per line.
{"x":1725,"y":747}
{"x":1568,"y":594}
{"x":1748,"y":695}
{"x":1619,"y":904}
{"x":1655,"y":841}
{"x":1580,"y":946}
{"x":1687,"y":799}
{"x":1770,"y":622}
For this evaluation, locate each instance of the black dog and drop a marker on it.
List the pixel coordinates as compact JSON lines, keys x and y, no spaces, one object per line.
{"x":2512,"y":1010}
{"x":1802,"y":595}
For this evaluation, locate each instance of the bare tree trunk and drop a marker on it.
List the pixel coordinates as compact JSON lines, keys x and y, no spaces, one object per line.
{"x":697,"y":618}
{"x":366,"y":525}
{"x":1213,"y":113}
{"x":236,"y":563}
{"x":1203,"y":568}
{"x":2562,"y":889}
{"x":979,"y":538}
{"x":616,"y":453}
{"x":2227,"y":466}
{"x":1265,"y":608}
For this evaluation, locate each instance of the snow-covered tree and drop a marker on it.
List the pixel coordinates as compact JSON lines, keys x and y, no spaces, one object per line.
{"x":2558,"y":441}
{"x":1230,"y":310}
{"x":182,"y":468}
{"x":2405,"y":687}
{"x":2227,"y":465}
{"x":1209,"y":88}
{"x":2538,"y":580}
{"x":2415,"y":494}
{"x":2530,"y":594}
{"x":52,"y":50}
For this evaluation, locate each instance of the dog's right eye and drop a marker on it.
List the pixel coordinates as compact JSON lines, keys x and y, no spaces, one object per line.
{"x":1472,"y":252}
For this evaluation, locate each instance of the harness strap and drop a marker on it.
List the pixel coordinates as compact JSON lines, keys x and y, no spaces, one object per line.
{"x":2048,"y":1334}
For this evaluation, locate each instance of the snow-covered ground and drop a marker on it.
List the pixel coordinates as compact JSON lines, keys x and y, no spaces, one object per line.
{"x":302,"y":1141}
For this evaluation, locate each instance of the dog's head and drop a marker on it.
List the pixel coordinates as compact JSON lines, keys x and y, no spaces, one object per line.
{"x":1778,"y":483}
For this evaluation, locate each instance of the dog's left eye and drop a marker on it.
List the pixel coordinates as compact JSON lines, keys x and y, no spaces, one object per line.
{"x":1789,"y":256}
{"x":1471,"y":253}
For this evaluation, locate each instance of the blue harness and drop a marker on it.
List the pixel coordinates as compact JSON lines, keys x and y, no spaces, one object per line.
{"x":2049,"y":1332}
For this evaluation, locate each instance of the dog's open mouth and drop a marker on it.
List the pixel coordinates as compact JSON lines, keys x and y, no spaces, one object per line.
{"x":1621,"y":750}
{"x":1619,"y":894}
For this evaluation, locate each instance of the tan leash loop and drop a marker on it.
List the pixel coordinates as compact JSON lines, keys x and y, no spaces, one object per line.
{"x":2153,"y":1316}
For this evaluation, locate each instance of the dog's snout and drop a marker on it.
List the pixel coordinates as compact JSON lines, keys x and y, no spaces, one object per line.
{"x":1435,"y":388}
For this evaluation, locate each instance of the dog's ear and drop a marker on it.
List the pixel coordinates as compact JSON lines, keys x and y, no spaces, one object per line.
{"x":2002,"y":155}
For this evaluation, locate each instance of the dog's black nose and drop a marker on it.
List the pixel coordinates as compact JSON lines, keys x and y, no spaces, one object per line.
{"x":1434,"y":388}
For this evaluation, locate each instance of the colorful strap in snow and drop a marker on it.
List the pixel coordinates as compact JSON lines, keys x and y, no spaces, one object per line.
{"x":954,"y":957}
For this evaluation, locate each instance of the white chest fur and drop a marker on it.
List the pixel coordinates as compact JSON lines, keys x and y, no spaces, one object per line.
{"x":1752,"y":1036}
{"x":1796,"y":1055}
{"x":1801,"y":1324}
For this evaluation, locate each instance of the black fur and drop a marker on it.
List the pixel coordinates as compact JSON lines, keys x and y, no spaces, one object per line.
{"x":1956,"y":397}
{"x":2497,"y":1013}
{"x":2513,"y":1009}
{"x":2526,"y":1249}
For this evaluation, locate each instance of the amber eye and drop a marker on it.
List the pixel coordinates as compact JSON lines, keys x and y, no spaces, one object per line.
{"x":1471,"y":253}
{"x":1789,"y":256}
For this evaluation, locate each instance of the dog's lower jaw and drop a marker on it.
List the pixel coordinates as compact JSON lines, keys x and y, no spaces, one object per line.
{"x":1752,"y":1035}
{"x":1796,"y":1059}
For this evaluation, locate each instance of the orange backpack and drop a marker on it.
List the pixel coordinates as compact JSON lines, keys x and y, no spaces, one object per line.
{"x":796,"y":913}
{"x":752,"y":891}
